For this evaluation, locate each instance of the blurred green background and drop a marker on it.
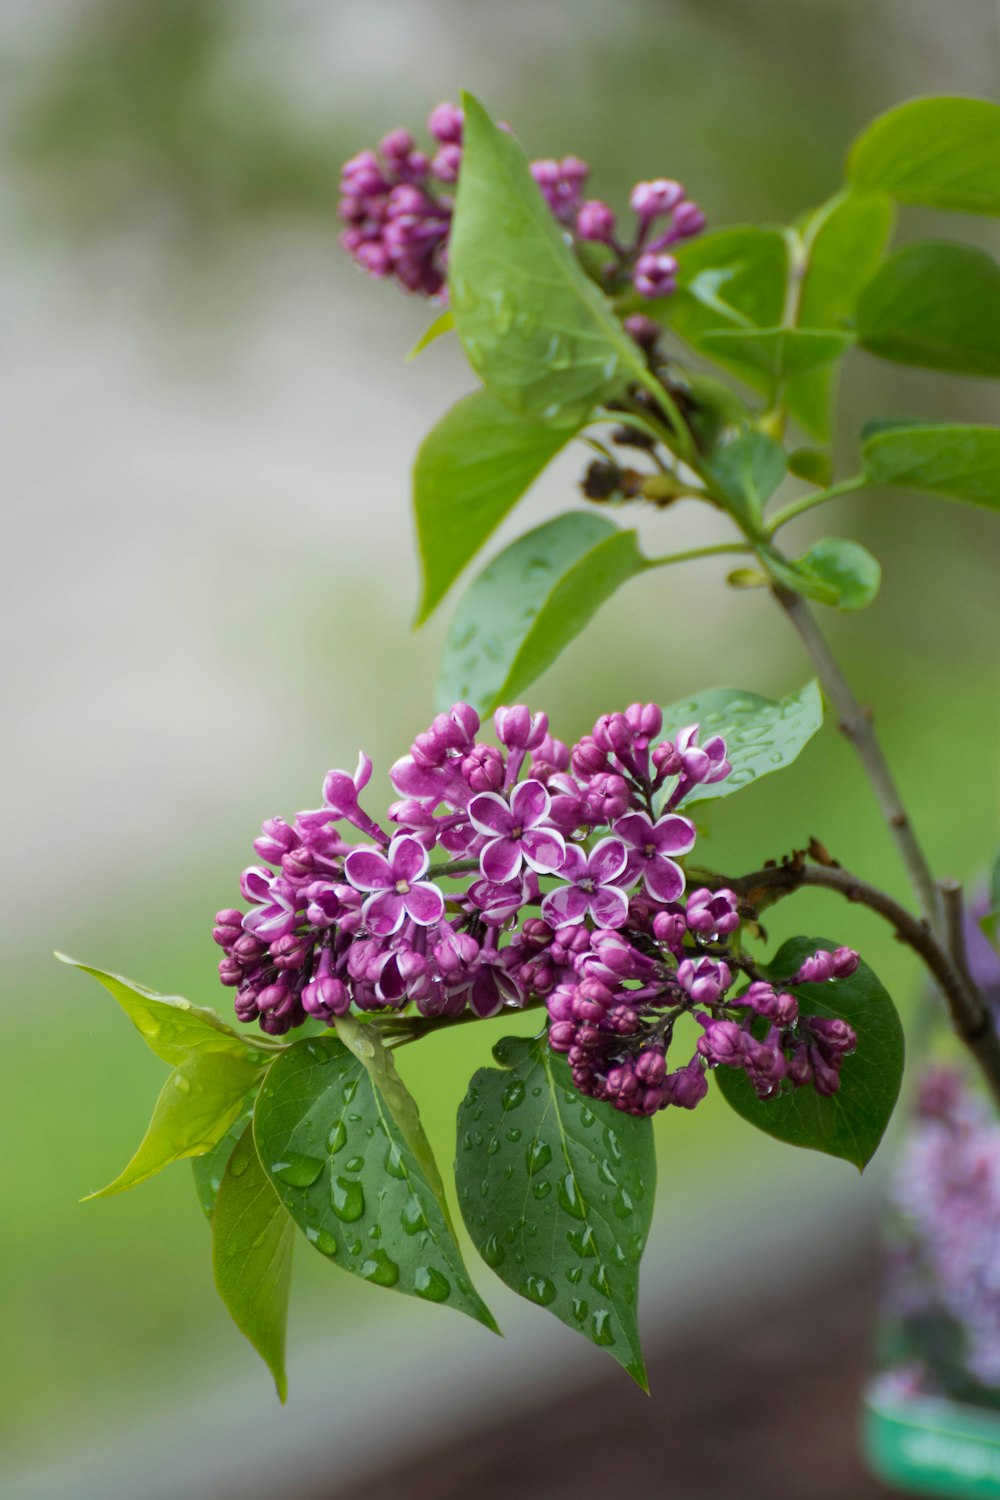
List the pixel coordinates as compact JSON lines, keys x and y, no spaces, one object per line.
{"x":210,"y":584}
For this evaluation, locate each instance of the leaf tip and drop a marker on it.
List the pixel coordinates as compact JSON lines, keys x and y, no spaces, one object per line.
{"x":281,"y":1385}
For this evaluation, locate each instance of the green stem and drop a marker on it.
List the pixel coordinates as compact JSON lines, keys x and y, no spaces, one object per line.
{"x":809,"y":502}
{"x":718,"y":549}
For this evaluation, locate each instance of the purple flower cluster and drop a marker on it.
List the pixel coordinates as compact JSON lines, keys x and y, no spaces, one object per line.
{"x":558,"y":879}
{"x":397,"y":206}
{"x":947,"y":1191}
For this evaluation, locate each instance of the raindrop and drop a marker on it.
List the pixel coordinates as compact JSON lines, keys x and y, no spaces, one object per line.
{"x":569,"y":1197}
{"x":394,"y":1162}
{"x":582,"y":1241}
{"x":354,"y":1164}
{"x":574,"y":1274}
{"x":380,"y":1269}
{"x":538,"y":1289}
{"x":325,"y":1242}
{"x":236,"y":1169}
{"x":431,"y":1284}
{"x":413,"y":1217}
{"x":348,"y":1199}
{"x":181,"y":1083}
{"x":337,"y":1139}
{"x":514,"y":1135}
{"x":599,"y":1281}
{"x":587,"y":1117}
{"x":541,"y":1188}
{"x":538,"y":1155}
{"x":623,"y":1204}
{"x":298,"y":1171}
{"x":602,"y":1332}
{"x":492,"y":1252}
{"x":580,"y":1309}
{"x":350,"y":1089}
{"x":513,"y":1094}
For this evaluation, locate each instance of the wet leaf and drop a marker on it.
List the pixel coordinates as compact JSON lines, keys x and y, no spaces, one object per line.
{"x":851,"y":1123}
{"x":761,"y":735}
{"x":341,"y":1144}
{"x":557,"y":1193}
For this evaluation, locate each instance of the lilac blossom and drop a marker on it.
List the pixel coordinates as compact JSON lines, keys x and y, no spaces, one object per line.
{"x":562,"y":888}
{"x":592,"y":887}
{"x":397,"y":205}
{"x":517,"y":832}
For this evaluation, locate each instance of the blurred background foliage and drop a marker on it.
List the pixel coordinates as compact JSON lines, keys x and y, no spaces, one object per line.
{"x":210,"y":582}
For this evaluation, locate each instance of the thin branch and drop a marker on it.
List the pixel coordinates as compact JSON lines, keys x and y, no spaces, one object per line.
{"x":969,"y":1014}
{"x":856,"y":724}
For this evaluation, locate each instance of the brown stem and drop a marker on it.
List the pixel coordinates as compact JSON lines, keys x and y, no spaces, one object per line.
{"x":856,"y":724}
{"x":969,"y":1014}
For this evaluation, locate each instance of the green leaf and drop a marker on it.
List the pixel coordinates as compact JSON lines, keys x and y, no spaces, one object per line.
{"x":443,"y":323}
{"x":834,"y":571}
{"x":811,"y":464}
{"x":843,"y":241}
{"x":936,"y":305}
{"x":536,"y":329}
{"x":942,"y":152}
{"x":197,"y":1104}
{"x":959,"y":461}
{"x":732,"y":278}
{"x":252,"y":1239}
{"x":995,"y":885}
{"x":851,"y":1122}
{"x":557,"y":1193}
{"x":335,"y":1132}
{"x":172,"y":1027}
{"x":529,"y":603}
{"x":470,"y":471}
{"x":748,"y":471}
{"x":777,"y":353}
{"x":208,"y":1170}
{"x":761,"y":735}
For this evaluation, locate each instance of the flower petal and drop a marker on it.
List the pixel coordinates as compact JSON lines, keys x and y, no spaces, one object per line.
{"x":529,"y":803}
{"x":408,"y":858}
{"x":664,"y":879}
{"x":413,"y":780}
{"x":635,"y":828}
{"x":383,"y":912}
{"x":607,"y":861}
{"x":424,"y":904}
{"x":368,"y":870}
{"x":574,"y":864}
{"x":609,"y":906}
{"x":544,"y":850}
{"x":485,"y":998}
{"x":500,"y":860}
{"x":674,"y":835}
{"x":566,"y":906}
{"x":490,"y":815}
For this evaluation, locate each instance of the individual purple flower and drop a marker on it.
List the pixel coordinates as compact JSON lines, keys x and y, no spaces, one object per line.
{"x":397,"y":891}
{"x":650,"y":846}
{"x":701,"y":763}
{"x":592,"y":887}
{"x":655,"y":274}
{"x":712,"y":913}
{"x":706,"y":980}
{"x":651,"y":199}
{"x":516,"y":832}
{"x":596,"y":221}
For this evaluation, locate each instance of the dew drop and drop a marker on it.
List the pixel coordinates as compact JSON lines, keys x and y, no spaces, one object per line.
{"x":541,"y":1188}
{"x":236,"y":1169}
{"x":354,"y":1164}
{"x":350,"y":1089}
{"x":623,"y":1204}
{"x":574,"y":1274}
{"x":599,"y":1281}
{"x":538,"y":1289}
{"x":181,"y":1083}
{"x":582,"y":1241}
{"x":580,"y":1309}
{"x":513,"y":1094}
{"x":538,"y":1155}
{"x":569,"y":1197}
{"x":413,"y":1217}
{"x":431,"y":1284}
{"x":380,"y":1269}
{"x":394,"y":1162}
{"x":348,"y":1199}
{"x":297,"y":1170}
{"x":587,"y":1117}
{"x":325,"y":1242}
{"x":492,"y":1252}
{"x":514,"y":1135}
{"x":601,"y":1330}
{"x":337,"y":1139}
